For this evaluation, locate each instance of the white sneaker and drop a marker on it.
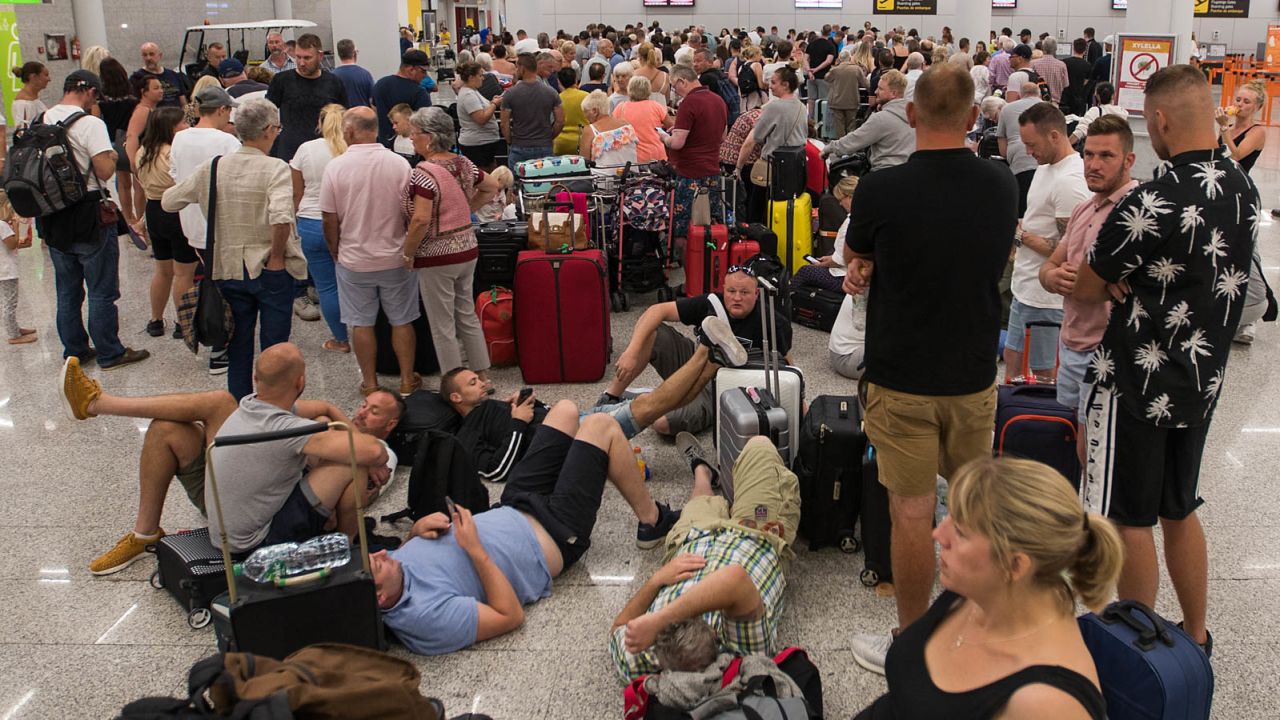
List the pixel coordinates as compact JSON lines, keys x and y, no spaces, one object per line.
{"x":870,"y":650}
{"x":305,"y":309}
{"x":1244,"y":335}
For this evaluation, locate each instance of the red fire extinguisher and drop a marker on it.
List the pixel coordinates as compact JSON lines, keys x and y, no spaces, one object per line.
{"x":75,"y":48}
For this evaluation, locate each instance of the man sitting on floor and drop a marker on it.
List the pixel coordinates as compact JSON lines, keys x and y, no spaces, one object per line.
{"x":182,"y":427}
{"x":723,"y":562}
{"x":497,"y":432}
{"x":656,"y":343}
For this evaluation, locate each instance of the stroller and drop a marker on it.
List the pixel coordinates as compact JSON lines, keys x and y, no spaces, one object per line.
{"x":642,"y":214}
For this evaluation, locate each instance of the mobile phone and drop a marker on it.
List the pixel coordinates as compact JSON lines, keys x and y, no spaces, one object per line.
{"x":525,"y":392}
{"x":448,"y":503}
{"x":813,"y":260}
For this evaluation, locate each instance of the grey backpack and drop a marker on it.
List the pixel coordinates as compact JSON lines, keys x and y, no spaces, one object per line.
{"x":41,"y":176}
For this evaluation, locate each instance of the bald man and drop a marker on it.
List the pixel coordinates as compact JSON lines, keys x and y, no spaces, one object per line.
{"x":173,"y":82}
{"x":1174,"y":256}
{"x":365,"y":231}
{"x":286,"y":490}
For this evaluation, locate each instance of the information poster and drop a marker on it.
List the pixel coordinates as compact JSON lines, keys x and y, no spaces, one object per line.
{"x":905,"y":7}
{"x":1137,"y":58}
{"x":1236,"y":9}
{"x":10,"y":57}
{"x":1273,"y":44}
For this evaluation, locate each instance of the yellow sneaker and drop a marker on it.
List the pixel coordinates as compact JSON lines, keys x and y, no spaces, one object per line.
{"x":78,"y":389}
{"x":121,"y":556}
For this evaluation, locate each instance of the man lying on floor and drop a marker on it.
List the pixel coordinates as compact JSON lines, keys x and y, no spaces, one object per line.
{"x":184,"y":424}
{"x":723,"y":562}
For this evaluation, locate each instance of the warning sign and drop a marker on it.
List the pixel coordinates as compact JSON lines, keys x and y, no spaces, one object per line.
{"x":1138,"y":58}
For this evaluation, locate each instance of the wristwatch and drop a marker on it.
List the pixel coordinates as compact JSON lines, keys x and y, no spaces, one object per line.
{"x":1017,"y":237}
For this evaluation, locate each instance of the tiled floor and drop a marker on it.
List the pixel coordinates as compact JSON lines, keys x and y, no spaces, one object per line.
{"x":72,"y":645}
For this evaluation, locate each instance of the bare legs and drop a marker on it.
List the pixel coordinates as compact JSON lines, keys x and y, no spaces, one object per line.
{"x":1186,"y":556}
{"x":603,"y":432}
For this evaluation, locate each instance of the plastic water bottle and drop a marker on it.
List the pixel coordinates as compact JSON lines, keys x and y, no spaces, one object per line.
{"x":267,"y":564}
{"x":644,"y":466}
{"x":318,"y":553}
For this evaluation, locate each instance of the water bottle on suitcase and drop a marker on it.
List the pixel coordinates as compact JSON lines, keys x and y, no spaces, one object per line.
{"x":337,"y":605}
{"x":829,"y":467}
{"x":877,"y":525}
{"x":1149,"y":668}
{"x":1031,"y":424}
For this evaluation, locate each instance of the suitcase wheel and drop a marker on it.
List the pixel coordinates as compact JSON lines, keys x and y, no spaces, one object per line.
{"x":199,"y":617}
{"x":869,"y":577}
{"x":615,"y":301}
{"x":850,"y":545}
{"x":156,"y":581}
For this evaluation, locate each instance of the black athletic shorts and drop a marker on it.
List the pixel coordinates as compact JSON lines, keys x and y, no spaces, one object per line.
{"x":484,"y":156}
{"x":1138,"y":472}
{"x":165,"y":230}
{"x":560,"y":481}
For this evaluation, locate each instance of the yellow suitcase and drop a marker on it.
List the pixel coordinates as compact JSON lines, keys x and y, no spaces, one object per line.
{"x":792,"y":222}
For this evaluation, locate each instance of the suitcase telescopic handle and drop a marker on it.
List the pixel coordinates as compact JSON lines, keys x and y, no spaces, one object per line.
{"x":769,"y":329}
{"x":252,"y":438}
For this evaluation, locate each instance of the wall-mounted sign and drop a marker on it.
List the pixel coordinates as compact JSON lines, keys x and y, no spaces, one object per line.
{"x":1137,"y":58}
{"x":1222,"y":8}
{"x":905,"y":7}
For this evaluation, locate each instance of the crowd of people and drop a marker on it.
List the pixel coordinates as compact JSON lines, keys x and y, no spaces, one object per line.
{"x":322,"y":193}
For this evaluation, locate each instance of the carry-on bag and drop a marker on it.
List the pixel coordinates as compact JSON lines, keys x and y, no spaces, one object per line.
{"x":815,"y":307}
{"x":876,"y":526}
{"x":759,"y":398}
{"x":792,"y":221}
{"x":336,"y":606}
{"x":190,"y":568}
{"x":1031,"y":424}
{"x":539,"y":175}
{"x":562,"y":316}
{"x":763,"y":235}
{"x":499,"y":245}
{"x":706,"y":259}
{"x":424,"y":410}
{"x":829,"y":468}
{"x":1148,"y":667}
{"x":385,"y":361}
{"x":496,"y":309}
{"x":788,"y":172}
{"x":558,"y":225}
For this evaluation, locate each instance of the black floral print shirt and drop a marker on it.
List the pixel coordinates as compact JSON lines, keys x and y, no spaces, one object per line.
{"x":1183,"y":242}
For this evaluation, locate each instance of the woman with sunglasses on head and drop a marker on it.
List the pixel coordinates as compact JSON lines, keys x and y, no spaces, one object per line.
{"x":1238,"y":122}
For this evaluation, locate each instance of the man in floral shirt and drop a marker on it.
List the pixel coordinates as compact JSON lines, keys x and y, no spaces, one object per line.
{"x":1174,"y":255}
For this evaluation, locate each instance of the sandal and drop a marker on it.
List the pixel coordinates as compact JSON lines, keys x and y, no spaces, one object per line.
{"x":367,"y":390}
{"x":336,"y":346}
{"x":22,"y":339}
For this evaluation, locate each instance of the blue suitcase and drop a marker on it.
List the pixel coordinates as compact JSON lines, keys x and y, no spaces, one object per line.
{"x":1031,"y":424}
{"x":1148,"y":667}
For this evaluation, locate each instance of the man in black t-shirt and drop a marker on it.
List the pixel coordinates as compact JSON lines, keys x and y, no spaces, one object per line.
{"x":822,"y":55}
{"x":173,"y":82}
{"x":666,"y":349}
{"x":1075,"y":99}
{"x":933,"y":314}
{"x":300,"y":94}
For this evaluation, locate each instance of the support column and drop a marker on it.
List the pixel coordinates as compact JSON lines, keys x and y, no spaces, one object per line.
{"x":91,"y":22}
{"x":374,"y":26}
{"x":1164,"y":16}
{"x":972,"y":19}
{"x":283,"y":10}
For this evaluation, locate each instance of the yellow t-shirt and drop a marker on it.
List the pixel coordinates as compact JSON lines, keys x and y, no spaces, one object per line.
{"x":567,"y":141}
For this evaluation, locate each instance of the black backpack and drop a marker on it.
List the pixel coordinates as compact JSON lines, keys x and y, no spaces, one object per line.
{"x":442,"y":466}
{"x":748,"y":84}
{"x":424,"y":410}
{"x":41,"y":176}
{"x":719,"y":84}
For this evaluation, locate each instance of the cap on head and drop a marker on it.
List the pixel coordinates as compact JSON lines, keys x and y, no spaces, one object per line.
{"x":81,"y":80}
{"x":214,"y":97}
{"x":1023,"y":51}
{"x":230,"y":67}
{"x":415,"y":57}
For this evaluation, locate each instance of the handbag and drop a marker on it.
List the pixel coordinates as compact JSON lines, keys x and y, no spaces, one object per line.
{"x":203,"y":315}
{"x":555,"y":229}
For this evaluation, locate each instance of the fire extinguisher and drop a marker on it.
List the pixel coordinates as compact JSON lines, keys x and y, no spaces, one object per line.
{"x":75,"y":48}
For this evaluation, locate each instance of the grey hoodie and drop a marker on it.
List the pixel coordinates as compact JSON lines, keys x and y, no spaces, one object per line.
{"x":701,"y":690}
{"x":886,"y":132}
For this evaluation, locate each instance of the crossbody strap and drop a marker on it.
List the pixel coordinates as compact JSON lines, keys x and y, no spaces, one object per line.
{"x":212,"y":211}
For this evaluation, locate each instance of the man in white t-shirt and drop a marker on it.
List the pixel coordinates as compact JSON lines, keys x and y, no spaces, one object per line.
{"x":211,"y":137}
{"x":1056,"y":189}
{"x":84,"y":250}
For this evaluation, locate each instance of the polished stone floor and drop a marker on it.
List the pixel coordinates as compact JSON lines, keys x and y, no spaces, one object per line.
{"x":76,"y":646}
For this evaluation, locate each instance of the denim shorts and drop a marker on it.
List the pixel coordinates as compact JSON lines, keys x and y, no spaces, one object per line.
{"x":620,"y":412}
{"x":1073,"y":365}
{"x":1044,"y":341}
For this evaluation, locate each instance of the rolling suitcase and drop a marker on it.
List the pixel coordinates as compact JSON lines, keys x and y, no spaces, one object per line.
{"x":759,"y":398}
{"x":190,"y":568}
{"x":815,"y":308}
{"x":499,"y":244}
{"x":425,"y":361}
{"x":788,"y":172}
{"x":1031,"y":424}
{"x":706,"y":259}
{"x":875,"y":524}
{"x":1148,"y":667}
{"x":829,"y":467}
{"x":537,"y":176}
{"x":763,"y":236}
{"x":562,"y":316}
{"x":792,"y":221}
{"x":340,"y":606}
{"x":831,"y":215}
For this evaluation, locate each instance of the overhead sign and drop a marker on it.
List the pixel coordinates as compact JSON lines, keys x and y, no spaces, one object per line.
{"x":905,"y":7}
{"x":1137,"y":58}
{"x":1222,"y":8}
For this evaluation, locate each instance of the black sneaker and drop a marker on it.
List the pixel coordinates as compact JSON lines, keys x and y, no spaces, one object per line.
{"x":691,"y":450}
{"x":716,"y":334}
{"x":651,"y":536}
{"x":129,"y":357}
{"x":177,"y":331}
{"x":218,"y":362}
{"x":155,"y":328}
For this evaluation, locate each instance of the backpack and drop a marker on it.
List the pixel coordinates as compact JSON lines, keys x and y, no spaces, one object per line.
{"x":424,"y":410}
{"x":442,"y":466}
{"x":727,"y":92}
{"x":41,"y":176}
{"x":758,"y":700}
{"x":323,"y":680}
{"x":748,"y":84}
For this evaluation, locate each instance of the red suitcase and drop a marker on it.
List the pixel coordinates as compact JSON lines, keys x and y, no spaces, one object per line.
{"x":740,"y":251}
{"x":495,"y":310}
{"x":706,"y":259}
{"x":562,"y":316}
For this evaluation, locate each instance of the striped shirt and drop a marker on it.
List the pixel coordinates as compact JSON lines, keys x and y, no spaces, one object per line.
{"x":720,"y":547}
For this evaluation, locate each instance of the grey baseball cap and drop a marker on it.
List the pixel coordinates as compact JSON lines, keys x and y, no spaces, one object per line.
{"x":213,"y":97}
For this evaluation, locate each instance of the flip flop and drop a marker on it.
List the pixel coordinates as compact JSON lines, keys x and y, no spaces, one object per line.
{"x":335,"y":346}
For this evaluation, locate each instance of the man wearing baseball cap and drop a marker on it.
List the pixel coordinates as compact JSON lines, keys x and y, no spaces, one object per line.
{"x":231,"y":71}
{"x":403,"y":87}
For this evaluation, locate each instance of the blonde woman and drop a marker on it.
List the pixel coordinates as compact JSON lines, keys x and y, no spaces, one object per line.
{"x":1017,"y":552}
{"x":645,"y":116}
{"x":192,"y":109}
{"x":751,"y":63}
{"x":92,"y":59}
{"x":307,"y":167}
{"x":568,"y":50}
{"x":648,"y":65}
{"x":1236,"y":123}
{"x":607,"y":141}
{"x":862,"y":57}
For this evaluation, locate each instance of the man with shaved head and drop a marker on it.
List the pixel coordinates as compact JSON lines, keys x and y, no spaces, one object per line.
{"x":1174,"y":256}
{"x":365,"y":232}
{"x":173,"y":82}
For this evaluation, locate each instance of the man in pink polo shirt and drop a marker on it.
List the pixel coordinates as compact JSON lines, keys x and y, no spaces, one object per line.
{"x":365,"y":228}
{"x":1108,"y":158}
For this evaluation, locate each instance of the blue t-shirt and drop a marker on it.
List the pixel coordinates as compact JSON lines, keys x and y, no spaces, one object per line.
{"x":438,"y":611}
{"x":358,"y":82}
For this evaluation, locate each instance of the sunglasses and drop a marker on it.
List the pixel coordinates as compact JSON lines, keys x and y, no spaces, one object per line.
{"x":742,"y":269}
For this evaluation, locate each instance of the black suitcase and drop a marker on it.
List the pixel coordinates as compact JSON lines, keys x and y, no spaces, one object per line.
{"x":275,"y":621}
{"x":191,"y":569}
{"x":815,"y":307}
{"x":829,"y":468}
{"x":499,"y":244}
{"x":873,"y":515}
{"x":762,"y":234}
{"x":788,"y":171}
{"x":424,"y":358}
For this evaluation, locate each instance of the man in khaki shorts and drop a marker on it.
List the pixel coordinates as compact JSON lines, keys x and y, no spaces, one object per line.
{"x":721,"y":559}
